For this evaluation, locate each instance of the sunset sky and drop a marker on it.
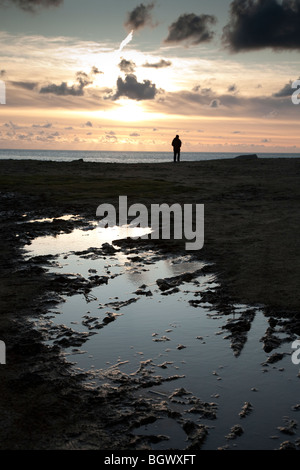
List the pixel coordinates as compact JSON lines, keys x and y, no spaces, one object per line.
{"x":124,"y":75}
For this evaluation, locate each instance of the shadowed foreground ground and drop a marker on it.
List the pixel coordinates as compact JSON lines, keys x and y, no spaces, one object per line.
{"x":251,"y":210}
{"x":251,"y":235}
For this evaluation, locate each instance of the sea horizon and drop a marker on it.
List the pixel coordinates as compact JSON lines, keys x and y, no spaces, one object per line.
{"x":115,"y":156}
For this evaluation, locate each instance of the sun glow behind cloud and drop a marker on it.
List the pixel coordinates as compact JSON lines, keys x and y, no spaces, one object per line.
{"x":191,"y":95}
{"x":129,"y":111}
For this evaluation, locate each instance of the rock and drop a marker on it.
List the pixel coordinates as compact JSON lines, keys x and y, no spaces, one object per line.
{"x":235,"y":431}
{"x":70,"y":284}
{"x":287,"y":445}
{"x":171,"y":282}
{"x":179,"y":392}
{"x":204,"y":409}
{"x":290,"y":427}
{"x":238,"y":326}
{"x":196,"y":434}
{"x":270,"y":340}
{"x":247,"y":157}
{"x":247,"y":408}
{"x":119,"y":303}
{"x":147,"y":293}
{"x":70,"y":338}
{"x":108,"y":248}
{"x":275,"y":358}
{"x":163,"y":338}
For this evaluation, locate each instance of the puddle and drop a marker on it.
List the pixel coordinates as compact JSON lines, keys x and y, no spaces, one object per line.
{"x":135,"y":330}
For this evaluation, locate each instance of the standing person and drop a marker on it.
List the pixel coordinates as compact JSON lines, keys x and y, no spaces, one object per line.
{"x":176,"y":144}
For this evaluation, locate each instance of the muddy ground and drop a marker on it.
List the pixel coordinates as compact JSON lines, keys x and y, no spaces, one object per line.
{"x":251,"y":237}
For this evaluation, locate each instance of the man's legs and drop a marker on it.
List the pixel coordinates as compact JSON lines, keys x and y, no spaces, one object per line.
{"x":177,"y":154}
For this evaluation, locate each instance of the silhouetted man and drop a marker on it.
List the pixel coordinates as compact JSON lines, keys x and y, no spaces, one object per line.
{"x":176,"y":144}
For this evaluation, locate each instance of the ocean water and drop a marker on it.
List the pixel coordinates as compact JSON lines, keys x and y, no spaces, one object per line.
{"x":123,"y":157}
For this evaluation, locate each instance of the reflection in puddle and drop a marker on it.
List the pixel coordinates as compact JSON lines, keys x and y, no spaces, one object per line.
{"x":63,"y":217}
{"x":128,"y":329}
{"x":27,"y":219}
{"x":81,"y":239}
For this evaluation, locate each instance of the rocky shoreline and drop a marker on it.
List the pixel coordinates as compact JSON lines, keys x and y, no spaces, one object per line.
{"x":43,"y":403}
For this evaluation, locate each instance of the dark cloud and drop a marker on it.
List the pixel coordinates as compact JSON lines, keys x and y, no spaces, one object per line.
{"x":232,"y":88}
{"x":53,"y":135}
{"x":12,"y":126}
{"x":228,"y":105}
{"x":191,"y":29}
{"x":110,"y":137}
{"x":25,"y":85}
{"x":215,"y":104}
{"x":63,"y":89}
{"x":95,"y":70}
{"x":203,"y":91}
{"x":258,"y":24}
{"x":32,"y":5}
{"x":44,"y":126}
{"x":140,"y":17}
{"x":82,"y":80}
{"x":127,"y":66}
{"x":159,"y":65}
{"x":133,"y":89}
{"x":286,"y":91}
{"x":24,"y":136}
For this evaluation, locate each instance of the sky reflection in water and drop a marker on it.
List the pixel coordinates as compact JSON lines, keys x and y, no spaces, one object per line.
{"x":152,"y":327}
